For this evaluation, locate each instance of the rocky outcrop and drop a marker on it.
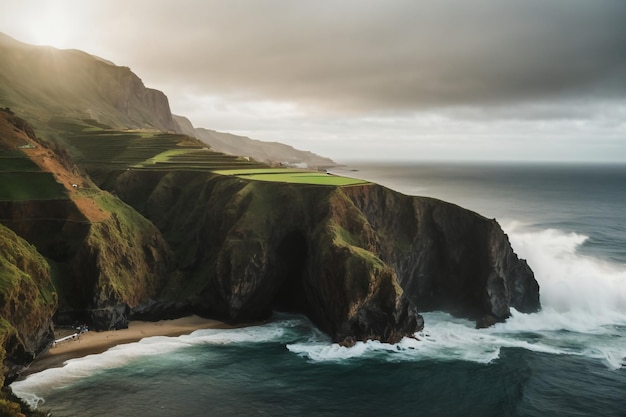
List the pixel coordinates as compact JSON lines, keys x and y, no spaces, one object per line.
{"x":27,"y":302}
{"x":107,"y":266}
{"x":359,"y":261}
{"x":448,"y":258}
{"x":121,"y":263}
{"x":247,"y":248}
{"x":106,"y":257}
{"x":138,"y":106}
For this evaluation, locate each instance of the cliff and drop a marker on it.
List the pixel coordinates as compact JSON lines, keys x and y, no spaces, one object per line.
{"x":448,"y":258}
{"x":57,"y":226}
{"x":27,"y":302}
{"x":156,"y":233}
{"x":269,"y":152}
{"x":56,"y":89}
{"x":360,"y":261}
{"x":46,"y":85}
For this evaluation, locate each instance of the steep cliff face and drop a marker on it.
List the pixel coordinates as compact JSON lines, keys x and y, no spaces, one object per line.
{"x":121,"y":262}
{"x":27,"y":302}
{"x":359,"y":260}
{"x":246,"y":248}
{"x":50,"y":87}
{"x":106,"y":265}
{"x":448,"y":258}
{"x":106,"y":258}
{"x":44,"y":83}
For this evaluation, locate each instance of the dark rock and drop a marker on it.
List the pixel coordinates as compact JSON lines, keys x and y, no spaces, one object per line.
{"x":110,"y":317}
{"x":487,"y":321}
{"x":161,"y":310}
{"x":358,"y":261}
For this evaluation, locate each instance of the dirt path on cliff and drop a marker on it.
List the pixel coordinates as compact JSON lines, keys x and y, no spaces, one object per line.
{"x":74,"y":182}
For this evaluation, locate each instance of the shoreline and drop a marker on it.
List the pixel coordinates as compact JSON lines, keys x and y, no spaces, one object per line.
{"x":92,"y":342}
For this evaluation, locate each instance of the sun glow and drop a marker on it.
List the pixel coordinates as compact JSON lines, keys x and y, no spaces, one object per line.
{"x":51,"y":25}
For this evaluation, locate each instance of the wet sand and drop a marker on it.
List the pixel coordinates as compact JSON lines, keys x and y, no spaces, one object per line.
{"x":97,"y":342}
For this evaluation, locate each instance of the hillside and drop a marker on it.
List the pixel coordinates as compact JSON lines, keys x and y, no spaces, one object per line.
{"x":311,"y":237}
{"x":98,"y":253}
{"x":101,"y":224}
{"x":48,"y":87}
{"x":45,"y":85}
{"x":269,"y":152}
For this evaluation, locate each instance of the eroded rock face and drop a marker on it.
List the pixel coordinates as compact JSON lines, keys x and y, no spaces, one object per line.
{"x":359,"y":261}
{"x":449,"y":258}
{"x":27,"y":302}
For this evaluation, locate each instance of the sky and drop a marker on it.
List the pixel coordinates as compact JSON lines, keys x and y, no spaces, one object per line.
{"x":502,"y":80}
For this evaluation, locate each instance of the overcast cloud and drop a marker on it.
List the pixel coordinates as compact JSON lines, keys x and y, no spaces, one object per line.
{"x":442,"y":79}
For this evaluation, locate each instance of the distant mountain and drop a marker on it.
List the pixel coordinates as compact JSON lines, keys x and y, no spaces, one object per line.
{"x":45,"y":84}
{"x":270,"y":152}
{"x":48,"y":86}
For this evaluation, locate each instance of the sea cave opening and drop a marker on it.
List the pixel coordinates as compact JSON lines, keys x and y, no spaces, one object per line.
{"x":291,"y":257}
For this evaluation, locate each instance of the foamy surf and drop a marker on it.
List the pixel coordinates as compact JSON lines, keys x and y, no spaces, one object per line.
{"x":583,"y":314}
{"x":444,"y":338}
{"x":34,"y":388}
{"x":571,"y":282}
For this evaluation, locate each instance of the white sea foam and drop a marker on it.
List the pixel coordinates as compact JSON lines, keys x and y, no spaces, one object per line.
{"x":583,"y":297}
{"x":121,"y":355}
{"x":75,"y":369}
{"x":578,"y":292}
{"x":583,"y":313}
{"x":445,"y":338}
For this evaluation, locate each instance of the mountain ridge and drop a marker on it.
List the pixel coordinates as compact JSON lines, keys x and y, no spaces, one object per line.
{"x":46,"y":85}
{"x":269,"y":152}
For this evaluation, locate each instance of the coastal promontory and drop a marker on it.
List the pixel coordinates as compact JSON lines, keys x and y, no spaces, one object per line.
{"x":114,"y":212}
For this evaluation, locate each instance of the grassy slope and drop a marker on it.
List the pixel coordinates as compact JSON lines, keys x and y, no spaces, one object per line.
{"x":20,"y":178}
{"x":104,"y":250}
{"x":109,"y":149}
{"x":47,"y":85}
{"x":26,"y":290}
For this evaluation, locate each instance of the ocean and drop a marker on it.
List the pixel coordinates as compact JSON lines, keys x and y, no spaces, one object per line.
{"x":568,"y":221}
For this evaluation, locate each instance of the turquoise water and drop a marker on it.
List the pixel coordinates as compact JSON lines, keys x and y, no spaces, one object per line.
{"x":567,"y":360}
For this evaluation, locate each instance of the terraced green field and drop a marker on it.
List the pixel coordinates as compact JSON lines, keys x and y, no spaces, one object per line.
{"x":22,"y":180}
{"x":197,"y":160}
{"x":293,"y":176}
{"x":20,"y":164}
{"x":122,"y":149}
{"x":174,"y":152}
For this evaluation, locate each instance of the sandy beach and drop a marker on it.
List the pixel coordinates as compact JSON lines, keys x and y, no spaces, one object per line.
{"x":98,"y":342}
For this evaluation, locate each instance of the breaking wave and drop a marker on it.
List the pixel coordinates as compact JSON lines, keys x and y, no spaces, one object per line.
{"x":583,"y":313}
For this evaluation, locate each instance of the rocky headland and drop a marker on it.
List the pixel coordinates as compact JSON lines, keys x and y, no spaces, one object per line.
{"x":108,"y":240}
{"x":360,"y":261}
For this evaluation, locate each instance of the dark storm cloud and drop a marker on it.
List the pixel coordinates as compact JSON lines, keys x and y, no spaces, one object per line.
{"x":381,"y":55}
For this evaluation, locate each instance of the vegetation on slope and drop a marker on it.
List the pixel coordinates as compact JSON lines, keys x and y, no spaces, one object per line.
{"x":104,"y":254}
{"x":20,"y":178}
{"x":27,"y":301}
{"x":104,"y":150}
{"x":290,"y":175}
{"x":27,"y":297}
{"x":44,"y":84}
